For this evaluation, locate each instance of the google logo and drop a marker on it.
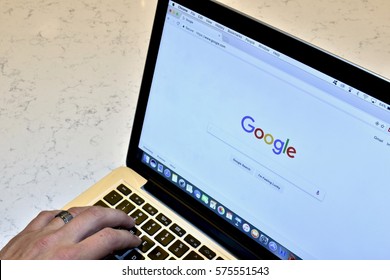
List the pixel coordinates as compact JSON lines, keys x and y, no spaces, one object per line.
{"x":279,"y":146}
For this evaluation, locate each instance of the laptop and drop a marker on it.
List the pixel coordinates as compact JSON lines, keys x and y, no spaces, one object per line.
{"x":248,"y":143}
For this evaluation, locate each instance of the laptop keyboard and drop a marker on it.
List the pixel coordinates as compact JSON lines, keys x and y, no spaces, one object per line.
{"x":161,"y":237}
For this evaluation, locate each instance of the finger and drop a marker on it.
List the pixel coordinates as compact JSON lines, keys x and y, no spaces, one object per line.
{"x":41,"y":220}
{"x":94,"y":219}
{"x":105,"y":242}
{"x":57,"y":222}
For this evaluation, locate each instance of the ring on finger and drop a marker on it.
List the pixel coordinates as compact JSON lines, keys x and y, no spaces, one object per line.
{"x":65,"y":216}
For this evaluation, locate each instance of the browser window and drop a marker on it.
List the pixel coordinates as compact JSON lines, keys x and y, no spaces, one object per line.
{"x":274,"y":146}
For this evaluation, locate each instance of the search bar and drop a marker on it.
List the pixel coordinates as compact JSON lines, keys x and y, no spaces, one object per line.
{"x":272,"y":170}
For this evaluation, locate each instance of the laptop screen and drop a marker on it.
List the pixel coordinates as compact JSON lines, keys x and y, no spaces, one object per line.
{"x":294,"y":158}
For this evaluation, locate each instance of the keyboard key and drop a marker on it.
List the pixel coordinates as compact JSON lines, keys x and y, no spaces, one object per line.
{"x":135,"y":231}
{"x":120,"y":253}
{"x":150,"y":209}
{"x":137,"y":199}
{"x":204,"y":250}
{"x":164,"y":237}
{"x":146,"y":244}
{"x":177,"y":230}
{"x":139,"y":217}
{"x":126,"y":206}
{"x":192,"y":241}
{"x":193,"y":256}
{"x":158,"y":253}
{"x":113,"y":197}
{"x":163,"y":219}
{"x":123,"y":189}
{"x":178,"y":248}
{"x":111,"y":257}
{"x":151,"y":227}
{"x":134,"y":255}
{"x":101,"y":203}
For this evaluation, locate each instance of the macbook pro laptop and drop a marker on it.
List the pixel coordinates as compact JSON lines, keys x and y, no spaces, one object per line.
{"x":249,"y":143}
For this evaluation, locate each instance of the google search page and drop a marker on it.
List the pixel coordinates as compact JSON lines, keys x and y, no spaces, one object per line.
{"x":305,"y":172}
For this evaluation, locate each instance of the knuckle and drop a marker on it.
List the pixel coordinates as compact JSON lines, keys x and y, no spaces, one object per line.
{"x":44,"y":243}
{"x":45,"y":214}
{"x":110,"y":236}
{"x":97,"y":212}
{"x":77,"y":209}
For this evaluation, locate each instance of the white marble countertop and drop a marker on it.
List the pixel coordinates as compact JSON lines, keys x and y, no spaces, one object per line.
{"x":70,"y":73}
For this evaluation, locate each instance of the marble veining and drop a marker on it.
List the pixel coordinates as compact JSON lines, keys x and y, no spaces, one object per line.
{"x":70,"y":74}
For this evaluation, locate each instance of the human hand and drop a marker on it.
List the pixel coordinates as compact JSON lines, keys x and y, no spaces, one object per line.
{"x":91,"y":234}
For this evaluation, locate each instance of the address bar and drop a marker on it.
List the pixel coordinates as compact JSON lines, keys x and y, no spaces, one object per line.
{"x":271,"y":168}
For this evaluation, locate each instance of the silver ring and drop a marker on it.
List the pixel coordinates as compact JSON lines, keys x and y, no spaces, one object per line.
{"x":65,"y":216}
